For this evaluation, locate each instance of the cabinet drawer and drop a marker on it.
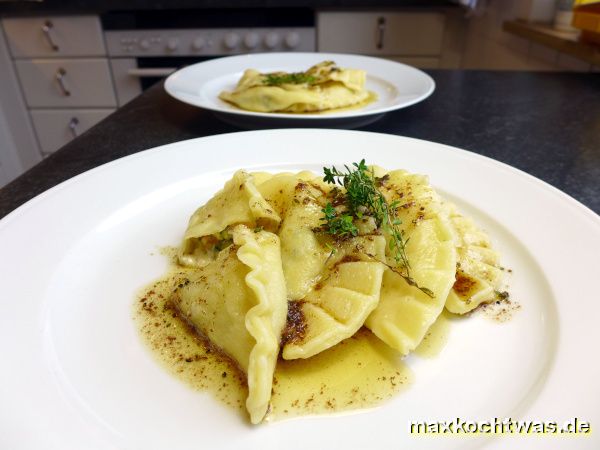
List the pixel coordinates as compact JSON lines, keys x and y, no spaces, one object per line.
{"x":35,"y":37}
{"x":52,"y":83}
{"x":55,"y":128}
{"x":385,"y":33}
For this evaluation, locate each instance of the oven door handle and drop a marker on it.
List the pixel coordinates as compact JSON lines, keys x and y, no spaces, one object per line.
{"x":151,"y":72}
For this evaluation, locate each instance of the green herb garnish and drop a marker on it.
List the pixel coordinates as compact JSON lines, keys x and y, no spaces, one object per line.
{"x":363,"y":198}
{"x":338,"y":225}
{"x":274,"y":79}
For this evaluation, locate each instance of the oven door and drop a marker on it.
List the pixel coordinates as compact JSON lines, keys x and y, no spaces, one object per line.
{"x":134,"y":75}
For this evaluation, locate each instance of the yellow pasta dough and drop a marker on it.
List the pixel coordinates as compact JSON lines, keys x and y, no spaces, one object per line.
{"x":335,"y":292}
{"x":405,"y":313}
{"x":347,"y":292}
{"x":323,"y":87}
{"x":238,"y":301}
{"x":478,"y":275}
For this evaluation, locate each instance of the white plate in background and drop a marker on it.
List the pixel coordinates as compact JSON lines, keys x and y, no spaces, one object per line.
{"x":75,"y":373}
{"x":396,"y":85}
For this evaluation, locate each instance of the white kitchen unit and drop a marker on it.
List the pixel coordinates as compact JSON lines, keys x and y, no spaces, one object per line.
{"x":63,"y":73}
{"x":429,"y":39}
{"x":18,"y":145}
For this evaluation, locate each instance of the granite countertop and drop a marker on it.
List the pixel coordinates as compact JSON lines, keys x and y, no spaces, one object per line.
{"x":546,"y":124}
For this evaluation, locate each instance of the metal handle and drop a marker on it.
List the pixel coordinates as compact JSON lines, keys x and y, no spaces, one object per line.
{"x":151,"y":72}
{"x":48,"y":25}
{"x":73,"y":123}
{"x":60,"y":77}
{"x":380,"y":32}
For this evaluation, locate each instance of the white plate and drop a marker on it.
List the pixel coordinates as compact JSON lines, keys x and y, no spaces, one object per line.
{"x":396,"y":85}
{"x":76,"y":375}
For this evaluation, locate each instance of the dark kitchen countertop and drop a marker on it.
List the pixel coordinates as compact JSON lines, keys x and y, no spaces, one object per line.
{"x":546,"y":124}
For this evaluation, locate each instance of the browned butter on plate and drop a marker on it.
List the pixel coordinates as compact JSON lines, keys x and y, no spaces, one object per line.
{"x":359,"y":373}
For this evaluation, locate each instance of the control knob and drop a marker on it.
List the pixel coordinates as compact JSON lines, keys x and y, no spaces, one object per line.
{"x":251,"y":40}
{"x":292,"y":39}
{"x":231,"y":40}
{"x":172,"y":43}
{"x":198,"y":43}
{"x":271,"y":40}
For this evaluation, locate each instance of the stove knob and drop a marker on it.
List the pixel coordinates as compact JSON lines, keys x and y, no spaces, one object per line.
{"x":198,"y":43}
{"x":144,"y":44}
{"x":271,"y":40}
{"x":172,"y":43}
{"x":251,"y":40}
{"x":292,"y":39}
{"x":231,"y":40}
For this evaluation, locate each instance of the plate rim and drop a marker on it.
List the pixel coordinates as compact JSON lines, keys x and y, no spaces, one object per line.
{"x":143,"y":153}
{"x":172,"y":91}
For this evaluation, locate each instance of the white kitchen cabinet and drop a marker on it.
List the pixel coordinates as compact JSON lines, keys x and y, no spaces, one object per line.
{"x":41,"y":37}
{"x":63,"y":72}
{"x":64,"y":83}
{"x":381,"y":33}
{"x":426,"y":39}
{"x":56,"y":128}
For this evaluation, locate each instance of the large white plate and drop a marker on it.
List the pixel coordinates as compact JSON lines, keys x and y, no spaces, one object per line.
{"x":396,"y":85}
{"x":76,"y":375}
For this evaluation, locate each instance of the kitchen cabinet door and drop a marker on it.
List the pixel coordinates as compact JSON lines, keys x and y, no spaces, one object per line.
{"x":381,"y":33}
{"x":55,"y":128}
{"x":57,"y":83}
{"x":44,"y":37}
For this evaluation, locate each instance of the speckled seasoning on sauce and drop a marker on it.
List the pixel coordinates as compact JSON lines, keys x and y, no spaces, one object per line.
{"x":361,"y":372}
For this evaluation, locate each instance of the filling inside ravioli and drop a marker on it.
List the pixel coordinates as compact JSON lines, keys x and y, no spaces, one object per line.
{"x":208,"y":231}
{"x":323,"y":87}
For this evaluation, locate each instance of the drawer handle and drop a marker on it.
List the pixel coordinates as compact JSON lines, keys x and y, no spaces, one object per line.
{"x":60,"y":77}
{"x":380,"y":32}
{"x":151,"y":72}
{"x":48,"y":25}
{"x":73,"y":125}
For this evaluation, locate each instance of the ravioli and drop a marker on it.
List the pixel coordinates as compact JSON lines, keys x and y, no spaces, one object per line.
{"x":335,"y":285}
{"x":238,"y":301}
{"x":238,"y":202}
{"x":323,"y":87}
{"x":348,"y":290}
{"x":478,"y":276}
{"x":290,"y":265}
{"x":405,"y":313}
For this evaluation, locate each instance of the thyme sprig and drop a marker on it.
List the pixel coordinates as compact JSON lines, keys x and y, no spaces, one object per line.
{"x":363,"y":198}
{"x":276,"y":79}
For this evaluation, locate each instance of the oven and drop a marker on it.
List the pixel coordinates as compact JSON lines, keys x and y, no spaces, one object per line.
{"x":144,"y":47}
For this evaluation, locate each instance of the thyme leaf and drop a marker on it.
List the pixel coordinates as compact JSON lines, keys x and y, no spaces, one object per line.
{"x":276,"y":79}
{"x":336,"y":224}
{"x":364,"y":198}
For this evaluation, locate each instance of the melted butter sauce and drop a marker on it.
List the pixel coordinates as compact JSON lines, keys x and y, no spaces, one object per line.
{"x":370,"y":99}
{"x":436,"y":337}
{"x":360,"y":372}
{"x":176,"y":347}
